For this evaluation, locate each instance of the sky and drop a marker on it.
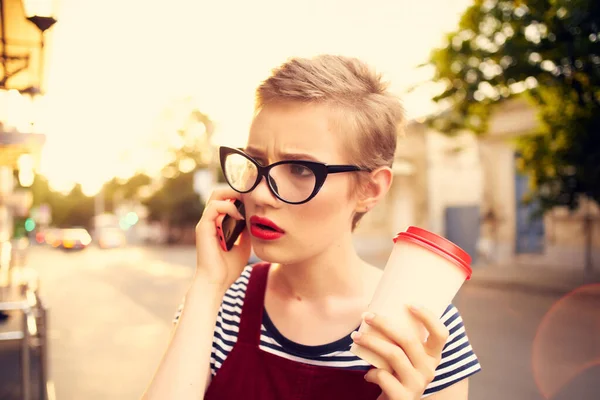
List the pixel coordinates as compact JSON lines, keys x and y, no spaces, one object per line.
{"x":114,"y":65}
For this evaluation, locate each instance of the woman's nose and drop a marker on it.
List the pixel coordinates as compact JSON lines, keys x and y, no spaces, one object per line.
{"x":262,"y":194}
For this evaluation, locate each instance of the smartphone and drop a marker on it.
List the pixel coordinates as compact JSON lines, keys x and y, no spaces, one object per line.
{"x":228,"y":228}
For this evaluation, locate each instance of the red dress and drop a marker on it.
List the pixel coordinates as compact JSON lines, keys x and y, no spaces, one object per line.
{"x":250,"y":373}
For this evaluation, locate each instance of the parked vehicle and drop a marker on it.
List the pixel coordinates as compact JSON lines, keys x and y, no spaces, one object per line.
{"x":72,"y":239}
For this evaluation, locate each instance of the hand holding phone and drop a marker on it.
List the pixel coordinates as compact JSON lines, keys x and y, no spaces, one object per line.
{"x":228,"y":228}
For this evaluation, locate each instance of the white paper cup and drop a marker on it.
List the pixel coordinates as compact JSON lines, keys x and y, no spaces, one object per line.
{"x":425,"y":270}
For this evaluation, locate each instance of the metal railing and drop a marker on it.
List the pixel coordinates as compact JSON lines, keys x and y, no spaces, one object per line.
{"x":27,"y":323}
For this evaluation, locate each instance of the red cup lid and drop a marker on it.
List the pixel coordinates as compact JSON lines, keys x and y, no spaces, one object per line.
{"x":438,"y":245}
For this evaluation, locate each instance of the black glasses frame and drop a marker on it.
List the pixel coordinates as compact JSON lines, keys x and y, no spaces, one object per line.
{"x":320,"y":170}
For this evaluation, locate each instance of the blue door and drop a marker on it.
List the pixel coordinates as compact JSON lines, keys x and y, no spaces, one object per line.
{"x":462,"y":228}
{"x":530,"y":228}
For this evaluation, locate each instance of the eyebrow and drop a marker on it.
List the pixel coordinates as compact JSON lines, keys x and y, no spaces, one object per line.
{"x":284,"y":156}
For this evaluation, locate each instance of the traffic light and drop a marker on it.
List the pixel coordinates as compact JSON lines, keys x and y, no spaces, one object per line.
{"x":29,"y":224}
{"x":131,"y":218}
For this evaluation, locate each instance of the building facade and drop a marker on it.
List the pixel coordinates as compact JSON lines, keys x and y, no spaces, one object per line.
{"x":22,"y":65}
{"x":469,"y":190}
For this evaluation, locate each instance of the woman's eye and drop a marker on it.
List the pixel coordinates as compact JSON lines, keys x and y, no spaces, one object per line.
{"x":300,"y":170}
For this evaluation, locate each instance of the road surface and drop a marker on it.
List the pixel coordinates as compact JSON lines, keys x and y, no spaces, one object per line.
{"x":111,"y":315}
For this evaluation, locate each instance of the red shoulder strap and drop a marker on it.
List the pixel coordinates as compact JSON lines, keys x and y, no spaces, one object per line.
{"x":254,"y":300}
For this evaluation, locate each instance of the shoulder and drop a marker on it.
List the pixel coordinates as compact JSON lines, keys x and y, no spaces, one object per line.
{"x":244,"y":277}
{"x":228,"y":319}
{"x":234,"y":296}
{"x":450,"y":315}
{"x":455,"y":325}
{"x":240,"y":285}
{"x":237,"y":290}
{"x":459,"y":360}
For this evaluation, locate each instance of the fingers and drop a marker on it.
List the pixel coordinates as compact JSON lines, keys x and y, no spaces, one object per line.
{"x":389,"y":385}
{"x":438,"y":332}
{"x":405,"y":338}
{"x":219,"y":202}
{"x":223,"y":193}
{"x":214,"y":208}
{"x":392,"y":354}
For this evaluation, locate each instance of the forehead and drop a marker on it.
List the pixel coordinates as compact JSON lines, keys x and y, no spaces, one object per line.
{"x":297,"y":128}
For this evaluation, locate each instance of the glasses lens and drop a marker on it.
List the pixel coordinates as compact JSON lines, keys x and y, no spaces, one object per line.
{"x":240,"y":172}
{"x":292,"y":182}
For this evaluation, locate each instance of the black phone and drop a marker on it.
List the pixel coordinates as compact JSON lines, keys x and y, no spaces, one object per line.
{"x":229,"y":229}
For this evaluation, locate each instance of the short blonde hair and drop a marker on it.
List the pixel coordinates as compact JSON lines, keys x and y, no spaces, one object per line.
{"x":366,"y":109}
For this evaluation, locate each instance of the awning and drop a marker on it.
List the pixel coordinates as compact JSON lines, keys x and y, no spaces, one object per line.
{"x":19,"y":48}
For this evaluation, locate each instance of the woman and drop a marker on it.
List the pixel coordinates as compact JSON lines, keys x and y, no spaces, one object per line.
{"x":323,"y":138}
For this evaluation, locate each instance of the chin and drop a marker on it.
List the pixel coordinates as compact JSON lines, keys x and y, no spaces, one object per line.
{"x":277,"y":253}
{"x":269,"y":252}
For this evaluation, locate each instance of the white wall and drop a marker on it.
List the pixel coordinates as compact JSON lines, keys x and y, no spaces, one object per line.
{"x":499,"y":197}
{"x":454,"y":175}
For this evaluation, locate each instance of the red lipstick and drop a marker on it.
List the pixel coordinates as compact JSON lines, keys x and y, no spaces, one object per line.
{"x":264,"y":228}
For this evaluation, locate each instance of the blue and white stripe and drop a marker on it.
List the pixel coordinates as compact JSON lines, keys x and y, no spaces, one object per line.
{"x":458,"y":359}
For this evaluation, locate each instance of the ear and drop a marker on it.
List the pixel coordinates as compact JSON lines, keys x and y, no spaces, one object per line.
{"x":375,"y":189}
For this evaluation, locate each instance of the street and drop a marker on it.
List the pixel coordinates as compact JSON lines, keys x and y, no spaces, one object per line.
{"x":111,"y":312}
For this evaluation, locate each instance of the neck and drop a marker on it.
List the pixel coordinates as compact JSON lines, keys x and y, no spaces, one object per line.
{"x":338,"y":271}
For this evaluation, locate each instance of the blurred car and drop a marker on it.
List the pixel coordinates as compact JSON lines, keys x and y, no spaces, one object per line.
{"x":111,"y":238}
{"x":51,"y":235}
{"x":40,"y":237}
{"x":72,"y":239}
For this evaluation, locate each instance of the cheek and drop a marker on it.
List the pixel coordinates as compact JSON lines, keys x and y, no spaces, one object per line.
{"x":332,"y":205}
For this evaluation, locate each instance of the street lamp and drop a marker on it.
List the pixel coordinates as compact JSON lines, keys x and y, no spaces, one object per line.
{"x":40,"y":13}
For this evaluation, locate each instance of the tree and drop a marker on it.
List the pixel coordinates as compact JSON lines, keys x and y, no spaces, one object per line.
{"x":116,"y":190}
{"x":547,"y":51}
{"x":41,"y":191}
{"x":130,"y":189}
{"x":73,"y":209}
{"x":176,"y":203}
{"x":188,"y":132}
{"x":79,"y":209}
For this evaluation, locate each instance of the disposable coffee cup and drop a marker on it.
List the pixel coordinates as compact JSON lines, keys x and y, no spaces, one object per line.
{"x":424,"y":270}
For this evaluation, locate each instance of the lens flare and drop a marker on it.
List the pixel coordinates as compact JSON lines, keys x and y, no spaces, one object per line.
{"x":567,"y":341}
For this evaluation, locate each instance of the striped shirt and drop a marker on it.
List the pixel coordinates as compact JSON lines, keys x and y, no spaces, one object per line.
{"x":458,"y":359}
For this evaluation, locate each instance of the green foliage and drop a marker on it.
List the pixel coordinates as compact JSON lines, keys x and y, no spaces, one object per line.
{"x":549,"y":50}
{"x":73,"y":209}
{"x":175,"y":202}
{"x":79,"y":209}
{"x":19,"y":230}
{"x":116,"y":190}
